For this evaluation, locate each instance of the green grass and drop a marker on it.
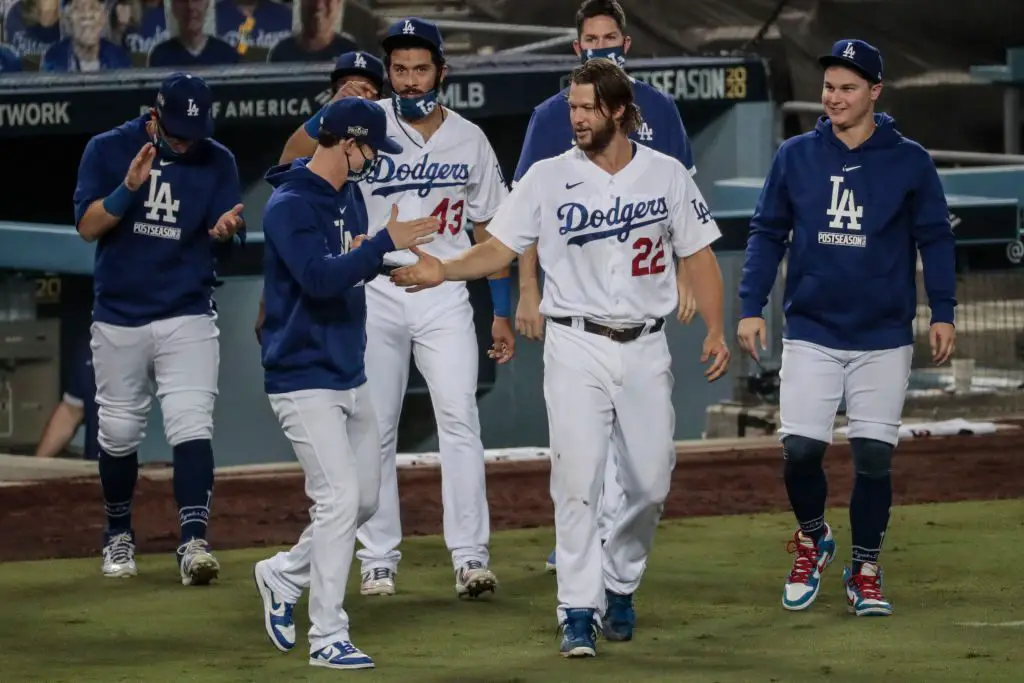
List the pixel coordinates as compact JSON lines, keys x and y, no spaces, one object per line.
{"x":708,"y":611}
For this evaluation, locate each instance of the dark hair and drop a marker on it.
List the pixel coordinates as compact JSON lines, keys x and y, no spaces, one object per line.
{"x":600,"y":8}
{"x":612,"y":90}
{"x":327,"y":139}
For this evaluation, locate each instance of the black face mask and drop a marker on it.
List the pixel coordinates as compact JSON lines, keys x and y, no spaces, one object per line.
{"x":165,"y":151}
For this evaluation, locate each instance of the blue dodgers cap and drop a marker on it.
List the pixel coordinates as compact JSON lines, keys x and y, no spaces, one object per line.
{"x":360,"y":63}
{"x":858,"y":55}
{"x":412,"y":31}
{"x":362,"y":120}
{"x":184,"y":106}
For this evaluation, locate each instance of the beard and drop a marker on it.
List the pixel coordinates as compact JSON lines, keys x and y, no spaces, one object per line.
{"x":600,"y":138}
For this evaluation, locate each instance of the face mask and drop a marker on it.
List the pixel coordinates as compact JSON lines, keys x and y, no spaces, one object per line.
{"x":165,"y":151}
{"x":613,"y":53}
{"x":363,"y":172}
{"x":415,"y":108}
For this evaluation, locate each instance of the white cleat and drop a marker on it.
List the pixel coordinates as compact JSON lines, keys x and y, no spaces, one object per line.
{"x":378,"y":581}
{"x":473,"y":579}
{"x":119,"y":556}
{"x":198,"y":566}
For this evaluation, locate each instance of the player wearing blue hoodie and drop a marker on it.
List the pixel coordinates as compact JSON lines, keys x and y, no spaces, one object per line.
{"x":317,"y":258}
{"x":853,"y":202}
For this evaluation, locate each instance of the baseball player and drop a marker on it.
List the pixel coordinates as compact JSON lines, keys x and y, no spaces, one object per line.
{"x":600,"y":28}
{"x":162,"y":201}
{"x":447,"y":169}
{"x":608,"y":215}
{"x":76,"y":408}
{"x":355,"y":74}
{"x":853,"y":201}
{"x":317,"y":262}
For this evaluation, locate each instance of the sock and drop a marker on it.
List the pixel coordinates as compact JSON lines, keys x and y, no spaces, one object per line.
{"x":869,"y":516}
{"x":193,"y":486}
{"x":117,"y":479}
{"x":808,"y":491}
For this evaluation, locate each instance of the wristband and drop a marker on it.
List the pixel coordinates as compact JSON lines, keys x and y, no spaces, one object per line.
{"x":501,"y":296}
{"x":119,"y":201}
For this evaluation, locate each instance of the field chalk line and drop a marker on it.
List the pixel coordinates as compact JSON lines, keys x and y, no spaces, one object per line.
{"x":996,"y":624}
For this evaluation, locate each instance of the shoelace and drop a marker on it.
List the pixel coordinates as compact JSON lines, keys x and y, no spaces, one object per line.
{"x":869,"y":587}
{"x":474,"y":564}
{"x":347,"y":648}
{"x":120,"y":549}
{"x":192,"y":547}
{"x":805,"y":562}
{"x":380,"y":573}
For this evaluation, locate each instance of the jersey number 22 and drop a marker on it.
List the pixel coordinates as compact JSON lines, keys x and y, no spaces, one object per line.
{"x":646,"y":263}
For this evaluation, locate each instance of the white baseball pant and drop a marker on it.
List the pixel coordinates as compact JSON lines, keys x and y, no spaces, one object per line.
{"x":597,"y":390}
{"x":436,"y":326}
{"x":334,"y":435}
{"x":181,"y":356}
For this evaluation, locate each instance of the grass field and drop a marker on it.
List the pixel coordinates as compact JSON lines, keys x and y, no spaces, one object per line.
{"x":708,"y":611}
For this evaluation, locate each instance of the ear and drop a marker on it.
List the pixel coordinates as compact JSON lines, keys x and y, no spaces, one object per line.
{"x":876,"y":92}
{"x":576,"y":47}
{"x":444,"y":73}
{"x":627,"y":41}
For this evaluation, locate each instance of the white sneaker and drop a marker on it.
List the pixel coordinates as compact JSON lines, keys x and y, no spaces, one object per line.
{"x":378,"y":581}
{"x":473,"y":579}
{"x":119,"y":556}
{"x":197,"y":564}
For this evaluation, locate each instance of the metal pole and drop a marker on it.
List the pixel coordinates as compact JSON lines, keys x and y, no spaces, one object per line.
{"x":1011,"y":119}
{"x":539,"y":45}
{"x":508,"y":29}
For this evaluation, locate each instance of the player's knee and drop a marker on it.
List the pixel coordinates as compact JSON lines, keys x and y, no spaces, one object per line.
{"x":368,"y":502}
{"x":120,"y":432}
{"x":188,"y":419}
{"x":803,"y":454}
{"x":871,"y":458}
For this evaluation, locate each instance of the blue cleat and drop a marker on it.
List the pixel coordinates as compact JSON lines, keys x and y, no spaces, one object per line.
{"x":864,"y":591}
{"x":277,"y":614}
{"x":620,"y":617}
{"x":804,"y":579}
{"x":549,"y":565}
{"x":341,"y":655}
{"x":579,"y":633}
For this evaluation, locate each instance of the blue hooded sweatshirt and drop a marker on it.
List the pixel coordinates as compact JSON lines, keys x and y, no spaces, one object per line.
{"x":858,"y":218}
{"x":314,"y":333}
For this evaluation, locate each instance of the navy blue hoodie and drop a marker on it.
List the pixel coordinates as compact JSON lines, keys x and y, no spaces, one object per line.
{"x":858,"y":217}
{"x":314,"y":333}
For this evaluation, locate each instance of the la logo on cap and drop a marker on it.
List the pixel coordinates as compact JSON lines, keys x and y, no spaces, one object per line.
{"x":849,"y":52}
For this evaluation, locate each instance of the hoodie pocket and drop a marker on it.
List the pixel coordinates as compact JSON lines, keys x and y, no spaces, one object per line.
{"x":840,"y":302}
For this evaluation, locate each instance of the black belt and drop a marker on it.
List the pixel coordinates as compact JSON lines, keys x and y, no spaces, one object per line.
{"x":626,"y":334}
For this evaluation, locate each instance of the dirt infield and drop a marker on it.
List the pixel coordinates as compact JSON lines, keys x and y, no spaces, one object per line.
{"x":61,"y":518}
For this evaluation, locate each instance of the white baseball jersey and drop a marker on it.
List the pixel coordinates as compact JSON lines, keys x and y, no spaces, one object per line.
{"x":605,"y":241}
{"x":454,"y":175}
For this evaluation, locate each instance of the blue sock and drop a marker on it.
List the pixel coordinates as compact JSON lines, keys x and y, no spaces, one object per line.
{"x":117,"y":479}
{"x":870,"y":506}
{"x":193,"y":486}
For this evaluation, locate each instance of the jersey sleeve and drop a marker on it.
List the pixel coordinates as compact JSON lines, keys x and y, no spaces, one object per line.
{"x":487,"y":187}
{"x":679,"y":141}
{"x":517,"y":223}
{"x":693,"y":225}
{"x":95,"y":181}
{"x":537,"y":146}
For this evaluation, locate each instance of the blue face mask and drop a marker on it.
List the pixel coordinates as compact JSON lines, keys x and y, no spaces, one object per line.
{"x":415,"y":108}
{"x":613,"y":53}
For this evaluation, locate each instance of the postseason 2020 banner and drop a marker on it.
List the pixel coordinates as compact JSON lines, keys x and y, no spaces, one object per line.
{"x":48,"y":104}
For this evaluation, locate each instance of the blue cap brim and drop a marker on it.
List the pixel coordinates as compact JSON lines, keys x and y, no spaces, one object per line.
{"x":389,"y":146}
{"x":187,"y":127}
{"x":831,"y":60}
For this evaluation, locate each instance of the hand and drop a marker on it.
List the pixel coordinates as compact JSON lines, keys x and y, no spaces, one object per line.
{"x":142,"y":164}
{"x":748,"y":333}
{"x":687,"y":303}
{"x":942,"y":337}
{"x":426,"y":273}
{"x":529,"y":321}
{"x":356,"y":89}
{"x":408,"y":233}
{"x":504,"y":341}
{"x":228,"y":224}
{"x":715,"y":346}
{"x":358,"y":240}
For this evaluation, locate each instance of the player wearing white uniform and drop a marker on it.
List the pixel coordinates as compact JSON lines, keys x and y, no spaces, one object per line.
{"x":448,"y":170}
{"x":605,"y":217}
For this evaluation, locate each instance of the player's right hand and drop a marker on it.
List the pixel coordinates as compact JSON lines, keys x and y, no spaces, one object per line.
{"x":426,"y":273}
{"x":142,"y":164}
{"x":752,"y":335}
{"x":356,"y":89}
{"x":406,"y":234}
{"x":529,"y":321}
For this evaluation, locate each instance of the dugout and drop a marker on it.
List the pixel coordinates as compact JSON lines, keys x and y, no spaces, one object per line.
{"x":47,"y":119}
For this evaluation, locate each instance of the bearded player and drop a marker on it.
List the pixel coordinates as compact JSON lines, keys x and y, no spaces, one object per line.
{"x":600,"y":29}
{"x":607,"y":368}
{"x":852,"y":201}
{"x":447,"y":170}
{"x":162,"y":201}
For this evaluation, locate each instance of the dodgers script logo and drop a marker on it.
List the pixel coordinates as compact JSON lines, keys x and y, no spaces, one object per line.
{"x":617,"y":221}
{"x":423,"y":176}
